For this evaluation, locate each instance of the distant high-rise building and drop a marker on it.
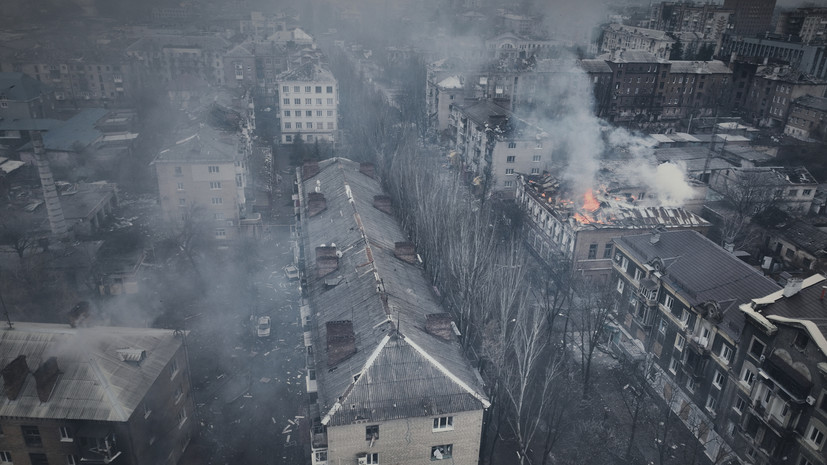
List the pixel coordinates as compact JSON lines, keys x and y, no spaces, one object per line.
{"x":751,"y":16}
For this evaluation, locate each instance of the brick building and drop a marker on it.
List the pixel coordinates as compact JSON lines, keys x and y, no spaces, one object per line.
{"x":772,"y":91}
{"x":807,"y":118}
{"x":751,"y":17}
{"x":387,"y":377}
{"x":94,"y":395}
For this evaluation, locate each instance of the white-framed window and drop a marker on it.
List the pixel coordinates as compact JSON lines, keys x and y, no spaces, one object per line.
{"x":321,"y":456}
{"x":443,"y":423}
{"x":726,"y":354}
{"x":319,"y":112}
{"x":308,"y":101}
{"x":285,"y":89}
{"x":638,"y":274}
{"x":680,"y":342}
{"x":711,"y":403}
{"x":308,"y":89}
{"x":371,"y":458}
{"x":287,"y":113}
{"x":536,"y":158}
{"x":748,"y":376}
{"x":179,"y":393}
{"x":329,"y":89}
{"x":509,"y":171}
{"x":180,"y":186}
{"x":220,"y":233}
{"x":182,"y":416}
{"x":673,"y":365}
{"x":668,"y":301}
{"x":508,"y":183}
{"x":217,"y":200}
{"x":684,"y":316}
{"x":740,"y":405}
{"x":65,"y":434}
{"x":286,"y":101}
{"x":442,"y":451}
{"x":691,"y":384}
{"x":212,"y":169}
{"x":815,"y":437}
{"x":329,"y":112}
{"x":624,"y":264}
{"x":620,"y":286}
{"x":5,"y":456}
{"x":297,"y":101}
{"x":215,"y":185}
{"x":718,"y":380}
{"x":662,"y":326}
{"x":535,"y":170}
{"x":756,"y":348}
{"x":173,"y":368}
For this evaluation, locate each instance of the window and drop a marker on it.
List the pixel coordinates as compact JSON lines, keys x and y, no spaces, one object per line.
{"x":718,"y":380}
{"x":318,"y":89}
{"x":815,"y":437}
{"x":288,"y":138}
{"x":801,"y":340}
{"x":441,"y":452}
{"x":308,"y":113}
{"x":691,"y":384}
{"x":638,"y":274}
{"x":740,"y":405}
{"x":308,"y":89}
{"x":756,"y":349}
{"x":592,"y":251}
{"x":287,"y":113}
{"x":329,"y":89}
{"x":217,"y":200}
{"x":711,"y":402}
{"x":318,"y":101}
{"x":31,"y":434}
{"x":673,"y":365}
{"x":182,"y":417}
{"x":667,"y":301}
{"x":65,"y":434}
{"x":182,"y":202}
{"x":680,"y":342}
{"x":309,"y":126}
{"x":510,"y":159}
{"x":72,"y":460}
{"x":321,"y":456}
{"x":536,"y":158}
{"x":318,"y":112}
{"x":287,"y":125}
{"x":285,"y":89}
{"x":38,"y":459}
{"x":329,"y":112}
{"x":330,"y":101}
{"x":443,"y":423}
{"x":298,"y":125}
{"x":179,"y":393}
{"x":535,"y":170}
{"x":684,"y":316}
{"x":178,"y":171}
{"x":793,"y":192}
{"x":512,"y":145}
{"x":173,"y":368}
{"x":286,"y":101}
{"x":215,"y":185}
{"x":508,"y":184}
{"x":297,"y":101}
{"x":329,"y":125}
{"x":806,"y":192}
{"x":5,"y":456}
{"x":620,"y":286}
{"x":371,"y":432}
{"x":220,"y":233}
{"x":212,"y":169}
{"x":662,"y":326}
{"x":726,"y":353}
{"x":308,"y":101}
{"x":748,"y":377}
{"x":180,"y":186}
{"x":297,"y":89}
{"x":371,"y":458}
{"x":509,"y":171}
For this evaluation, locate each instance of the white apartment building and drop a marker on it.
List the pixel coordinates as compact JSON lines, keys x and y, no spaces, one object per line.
{"x":309,"y":97}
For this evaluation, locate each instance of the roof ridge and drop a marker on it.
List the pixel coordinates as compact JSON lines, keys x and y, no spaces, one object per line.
{"x":107,"y":388}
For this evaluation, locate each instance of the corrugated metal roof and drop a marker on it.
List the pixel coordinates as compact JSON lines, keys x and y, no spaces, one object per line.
{"x":700,"y":271}
{"x":94,"y":382}
{"x":397,"y":365}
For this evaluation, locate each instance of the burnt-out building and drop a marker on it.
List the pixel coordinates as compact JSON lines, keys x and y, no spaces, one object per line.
{"x":677,"y":298}
{"x":93,"y":395}
{"x":778,"y":402}
{"x":387,"y":378}
{"x":580,"y":231}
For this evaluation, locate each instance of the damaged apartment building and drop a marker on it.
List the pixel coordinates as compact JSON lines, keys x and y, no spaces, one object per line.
{"x":387,"y":377}
{"x":581,"y":230}
{"x":93,"y":395}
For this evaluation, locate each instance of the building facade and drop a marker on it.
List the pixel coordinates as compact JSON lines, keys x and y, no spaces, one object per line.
{"x":309,"y":102}
{"x":106,"y":394}
{"x":618,"y":37}
{"x":388,"y":383}
{"x":807,"y":118}
{"x":751,"y":17}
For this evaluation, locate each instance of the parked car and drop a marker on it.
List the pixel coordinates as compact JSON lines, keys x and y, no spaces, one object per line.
{"x":263,"y":328}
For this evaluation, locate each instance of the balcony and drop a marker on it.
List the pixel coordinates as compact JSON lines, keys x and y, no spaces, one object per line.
{"x":648,"y":293}
{"x":97,"y":444}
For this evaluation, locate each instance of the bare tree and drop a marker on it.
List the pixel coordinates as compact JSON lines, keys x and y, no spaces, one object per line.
{"x":594,"y":304}
{"x":747,"y":193}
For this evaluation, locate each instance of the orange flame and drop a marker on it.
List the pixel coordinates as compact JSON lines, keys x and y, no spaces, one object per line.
{"x":582,"y":219}
{"x":590,"y":203}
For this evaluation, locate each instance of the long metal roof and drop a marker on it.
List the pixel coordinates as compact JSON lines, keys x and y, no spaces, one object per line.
{"x":398,"y":369}
{"x":94,"y":383}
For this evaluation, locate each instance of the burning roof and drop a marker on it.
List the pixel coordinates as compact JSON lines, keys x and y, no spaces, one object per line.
{"x":600,"y":208}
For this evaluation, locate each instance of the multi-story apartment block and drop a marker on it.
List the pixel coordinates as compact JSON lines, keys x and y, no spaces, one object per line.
{"x":694,"y":88}
{"x":777,"y":400}
{"x":751,"y":17}
{"x":202,"y":177}
{"x":788,"y":188}
{"x":23,"y":97}
{"x":814,"y":26}
{"x":580,"y":233}
{"x":240,"y":67}
{"x":678,"y":297}
{"x":773,"y":90}
{"x":808,"y":118}
{"x":635,"y":88}
{"x":94,"y":395}
{"x":387,"y":377}
{"x":309,"y":100}
{"x":618,"y":37}
{"x":707,"y":19}
{"x":810,"y":59}
{"x":492,"y":145}
{"x":167,"y":56}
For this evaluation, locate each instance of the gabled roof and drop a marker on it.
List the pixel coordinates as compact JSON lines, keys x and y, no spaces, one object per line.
{"x":805,"y":236}
{"x":701,"y":271}
{"x":202,"y":144}
{"x":392,"y":366}
{"x":21,"y":87}
{"x":241,"y":50}
{"x":94,"y":382}
{"x":811,"y":101}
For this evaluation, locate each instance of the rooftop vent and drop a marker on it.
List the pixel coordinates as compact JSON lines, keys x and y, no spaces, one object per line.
{"x":405,"y":251}
{"x":131,"y":354}
{"x":439,"y":325}
{"x":45,"y":378}
{"x":655,"y":237}
{"x":382,"y":203}
{"x":309,"y":170}
{"x":341,"y":341}
{"x":792,"y":287}
{"x":327,"y":261}
{"x":316,"y":203}
{"x":367,"y":169}
{"x":14,"y":375}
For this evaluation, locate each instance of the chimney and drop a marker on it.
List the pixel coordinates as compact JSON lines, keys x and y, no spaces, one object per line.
{"x":729,"y":247}
{"x":316,"y":203}
{"x":439,"y":325}
{"x":14,"y":375}
{"x":45,"y":379}
{"x":367,"y":169}
{"x":341,"y":341}
{"x":309,"y":170}
{"x":327,"y":261}
{"x":405,"y":251}
{"x":792,"y":287}
{"x":382,"y":203}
